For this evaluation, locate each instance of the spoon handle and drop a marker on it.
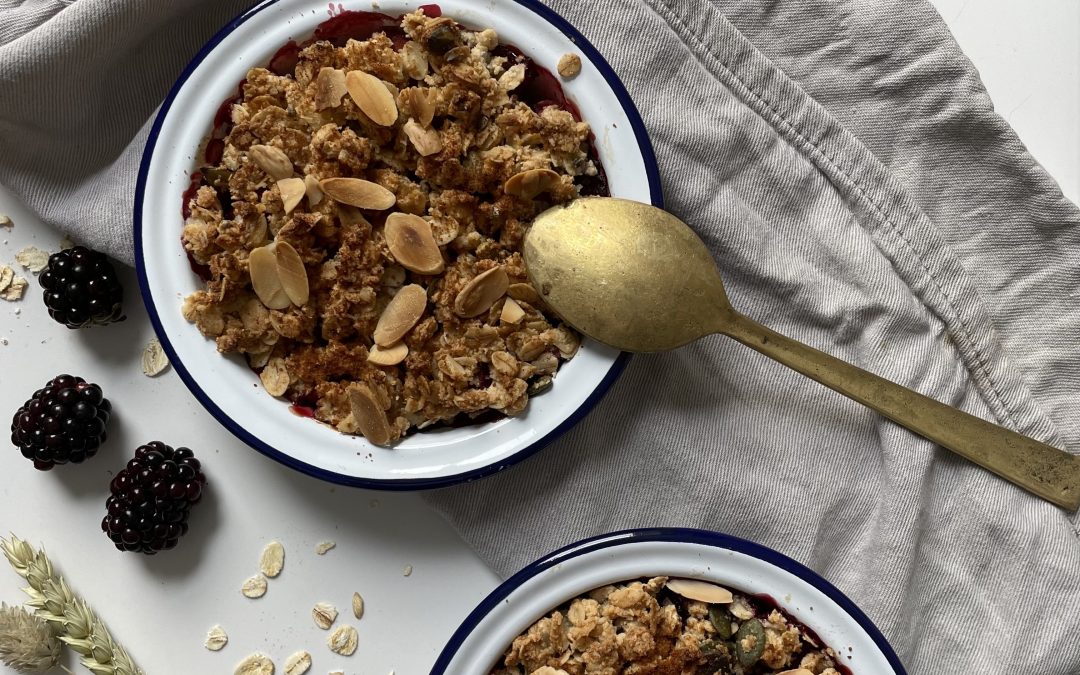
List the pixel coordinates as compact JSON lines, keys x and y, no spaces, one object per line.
{"x":1043,"y":470}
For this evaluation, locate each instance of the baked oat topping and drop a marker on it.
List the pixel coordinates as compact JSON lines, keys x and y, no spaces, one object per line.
{"x":361,"y":221}
{"x":569,"y":65}
{"x":648,"y":626}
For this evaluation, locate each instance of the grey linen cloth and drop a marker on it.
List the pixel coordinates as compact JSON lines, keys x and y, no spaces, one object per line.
{"x":845,"y":165}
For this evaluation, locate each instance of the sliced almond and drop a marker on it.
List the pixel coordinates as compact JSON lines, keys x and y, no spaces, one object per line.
{"x":369,"y":416}
{"x":797,"y":671}
{"x":400,"y":315}
{"x":426,"y":141}
{"x":292,"y":191}
{"x":372,"y":97}
{"x":529,"y":184}
{"x":524,"y":293}
{"x":291,"y":271}
{"x":272,"y":160}
{"x":329,"y":88}
{"x":412,"y":243}
{"x":481,"y":293}
{"x":359,"y":193}
{"x":388,"y":356}
{"x":702,"y":591}
{"x":512,"y":312}
{"x":313,"y":190}
{"x":263,"y":268}
{"x":422,"y":104}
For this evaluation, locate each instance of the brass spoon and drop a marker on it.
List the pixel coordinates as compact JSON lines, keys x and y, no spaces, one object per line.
{"x":637,"y":278}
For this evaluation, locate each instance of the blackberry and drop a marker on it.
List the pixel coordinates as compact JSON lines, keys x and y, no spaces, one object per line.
{"x":81,"y":288}
{"x":151,"y":499}
{"x":63,"y":422}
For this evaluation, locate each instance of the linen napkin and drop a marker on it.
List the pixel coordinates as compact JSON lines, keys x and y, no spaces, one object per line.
{"x":845,"y":165}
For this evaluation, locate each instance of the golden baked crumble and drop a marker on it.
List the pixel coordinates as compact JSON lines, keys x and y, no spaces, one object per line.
{"x":383,"y":170}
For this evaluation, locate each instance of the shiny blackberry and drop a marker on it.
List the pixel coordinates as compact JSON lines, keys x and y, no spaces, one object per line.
{"x":152,"y":498}
{"x":63,"y":422}
{"x":81,"y":288}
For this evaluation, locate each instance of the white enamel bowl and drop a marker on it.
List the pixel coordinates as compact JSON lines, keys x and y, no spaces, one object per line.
{"x":484,"y":636}
{"x":225,"y":385}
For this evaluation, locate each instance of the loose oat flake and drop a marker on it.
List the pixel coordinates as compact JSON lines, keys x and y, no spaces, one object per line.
{"x":13,"y":290}
{"x":7,"y":275}
{"x":255,"y":664}
{"x":357,"y":605}
{"x":322,"y":547}
{"x":33,"y":258}
{"x":407,"y":571}
{"x":216,"y":639}
{"x":255,"y":587}
{"x":5,"y":221}
{"x":324,"y":615}
{"x":298,"y":663}
{"x":272,"y":560}
{"x":154,"y":361}
{"x":342,"y":640}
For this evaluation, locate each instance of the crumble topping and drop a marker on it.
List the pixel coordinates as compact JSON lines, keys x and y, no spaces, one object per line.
{"x":361,"y":231}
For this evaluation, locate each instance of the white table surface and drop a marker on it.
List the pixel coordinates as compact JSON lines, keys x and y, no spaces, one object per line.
{"x":160,"y":607}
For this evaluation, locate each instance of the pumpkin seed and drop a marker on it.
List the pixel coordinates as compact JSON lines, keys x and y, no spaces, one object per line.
{"x":750,"y":642}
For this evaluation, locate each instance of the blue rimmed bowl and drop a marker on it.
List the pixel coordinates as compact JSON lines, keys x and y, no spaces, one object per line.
{"x":477,"y":646}
{"x":228,"y":389}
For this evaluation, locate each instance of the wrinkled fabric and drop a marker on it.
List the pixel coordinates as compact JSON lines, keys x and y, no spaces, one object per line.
{"x":844,"y":164}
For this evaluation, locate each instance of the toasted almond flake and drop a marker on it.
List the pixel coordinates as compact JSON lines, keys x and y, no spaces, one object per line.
{"x":265,"y":281}
{"x":329,"y":88}
{"x":512,"y":312}
{"x":298,"y":663}
{"x":372,"y":97}
{"x":292,"y":190}
{"x":33,"y":259}
{"x":406,"y":571}
{"x":5,"y":221}
{"x":412,"y":243}
{"x":569,"y":65}
{"x":369,"y":416}
{"x":272,"y":560}
{"x":797,"y":671}
{"x":323,"y":547}
{"x":414,"y":60}
{"x":255,"y":664}
{"x":359,"y":193}
{"x":401,"y":315}
{"x":421,"y":102}
{"x":254,"y":587}
{"x":275,"y":377}
{"x":293,"y":274}
{"x":481,"y":293}
{"x":427,"y":141}
{"x":529,"y":184}
{"x":313,"y":190}
{"x":7,"y":275}
{"x":14,"y":289}
{"x":524,"y":293}
{"x":388,"y":356}
{"x":702,"y":591}
{"x":216,"y":639}
{"x":357,"y":606}
{"x":342,"y":640}
{"x":154,"y":361}
{"x":324,"y":614}
{"x":272,"y":160}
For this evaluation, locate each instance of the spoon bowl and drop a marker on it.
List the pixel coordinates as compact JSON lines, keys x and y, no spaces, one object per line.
{"x":637,"y":278}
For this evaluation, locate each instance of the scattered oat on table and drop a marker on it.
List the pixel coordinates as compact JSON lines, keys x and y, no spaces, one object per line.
{"x":324,"y":615}
{"x":342,"y":640}
{"x":154,"y":361}
{"x":66,"y":243}
{"x":337,"y":672}
{"x":255,"y":587}
{"x":12,"y":286}
{"x":322,"y":547}
{"x":298,"y":663}
{"x":216,"y":639}
{"x":7,"y":275}
{"x":357,"y":605}
{"x":569,"y":65}
{"x":273,"y":559}
{"x":407,"y":571}
{"x":255,"y":664}
{"x":33,"y":258}
{"x":5,"y":221}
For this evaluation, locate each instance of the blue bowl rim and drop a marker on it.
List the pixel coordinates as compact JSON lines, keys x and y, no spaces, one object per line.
{"x":392,"y":484}
{"x":662,"y":534}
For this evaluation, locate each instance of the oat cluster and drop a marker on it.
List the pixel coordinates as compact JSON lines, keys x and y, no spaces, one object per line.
{"x":362,"y":230}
